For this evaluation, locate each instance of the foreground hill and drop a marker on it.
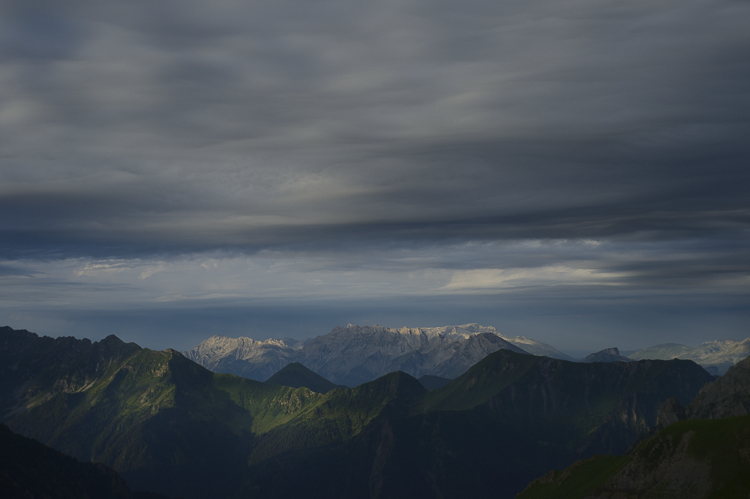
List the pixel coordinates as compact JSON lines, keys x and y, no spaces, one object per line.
{"x":715,"y":356}
{"x":169,"y":425}
{"x":357,"y":354}
{"x":696,"y":459}
{"x":29,"y":469}
{"x":706,"y":456}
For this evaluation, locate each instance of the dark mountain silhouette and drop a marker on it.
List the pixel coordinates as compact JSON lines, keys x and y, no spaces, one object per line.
{"x":29,"y":469}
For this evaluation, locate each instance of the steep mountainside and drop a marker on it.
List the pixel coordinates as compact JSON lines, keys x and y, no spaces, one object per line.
{"x":706,"y":456}
{"x":602,"y":407}
{"x":727,"y":396}
{"x":696,"y":459}
{"x":357,"y":354}
{"x":713,"y":355}
{"x":49,"y":366}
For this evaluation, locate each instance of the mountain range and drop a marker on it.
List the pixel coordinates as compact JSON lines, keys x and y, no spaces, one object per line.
{"x":168,"y":425}
{"x":356,"y":354}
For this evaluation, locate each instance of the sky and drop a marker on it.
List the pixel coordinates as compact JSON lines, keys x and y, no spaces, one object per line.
{"x":574,"y":171}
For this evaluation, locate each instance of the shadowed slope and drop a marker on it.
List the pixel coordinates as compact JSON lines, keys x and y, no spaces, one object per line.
{"x":697,"y":458}
{"x":30,"y":469}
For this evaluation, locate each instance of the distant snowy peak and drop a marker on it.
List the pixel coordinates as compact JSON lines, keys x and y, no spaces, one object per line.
{"x":243,"y":356}
{"x":463,"y":332}
{"x":355,"y":354}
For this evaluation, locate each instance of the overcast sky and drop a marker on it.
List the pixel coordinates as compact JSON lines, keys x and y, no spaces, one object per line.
{"x":576,"y":171}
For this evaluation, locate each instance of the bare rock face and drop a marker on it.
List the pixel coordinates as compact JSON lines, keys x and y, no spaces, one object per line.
{"x":356,"y":354}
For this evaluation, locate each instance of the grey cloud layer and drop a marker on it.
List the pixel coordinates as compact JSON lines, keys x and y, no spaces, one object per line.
{"x":379,"y":136}
{"x":170,"y":123}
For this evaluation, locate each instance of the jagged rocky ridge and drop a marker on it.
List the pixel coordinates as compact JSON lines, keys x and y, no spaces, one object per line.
{"x":168,"y":425}
{"x":356,"y":354}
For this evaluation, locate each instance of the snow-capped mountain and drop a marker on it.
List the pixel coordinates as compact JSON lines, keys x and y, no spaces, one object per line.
{"x":245,"y":357}
{"x":355,"y":354}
